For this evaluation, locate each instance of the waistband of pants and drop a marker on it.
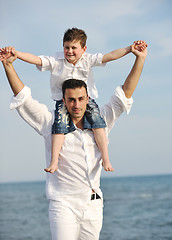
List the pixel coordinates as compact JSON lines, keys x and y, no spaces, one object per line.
{"x":95,"y":196}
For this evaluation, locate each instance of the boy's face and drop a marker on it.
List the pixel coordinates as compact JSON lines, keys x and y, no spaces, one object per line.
{"x":73,"y":51}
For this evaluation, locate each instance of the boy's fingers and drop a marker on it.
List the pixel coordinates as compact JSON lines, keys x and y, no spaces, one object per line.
{"x":7,"y":49}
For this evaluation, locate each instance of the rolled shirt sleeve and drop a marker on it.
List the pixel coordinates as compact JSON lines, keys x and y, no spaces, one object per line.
{"x":118,"y":103}
{"x":96,"y":59}
{"x":40,"y":118}
{"x":35,"y":114}
{"x":47,"y":63}
{"x":19,"y":99}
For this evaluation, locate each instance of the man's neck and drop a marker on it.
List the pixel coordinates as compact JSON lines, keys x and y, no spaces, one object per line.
{"x":79,"y":124}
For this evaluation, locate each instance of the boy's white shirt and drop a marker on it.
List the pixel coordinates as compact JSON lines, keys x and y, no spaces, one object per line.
{"x":62,"y":70}
{"x":79,"y":166}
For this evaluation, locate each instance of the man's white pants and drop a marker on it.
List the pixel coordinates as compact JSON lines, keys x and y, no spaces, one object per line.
{"x":68,"y":223}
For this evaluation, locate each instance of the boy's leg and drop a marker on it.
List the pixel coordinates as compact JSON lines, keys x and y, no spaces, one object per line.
{"x":101,"y":140}
{"x":94,"y":121}
{"x":57,"y":142}
{"x":62,"y":125}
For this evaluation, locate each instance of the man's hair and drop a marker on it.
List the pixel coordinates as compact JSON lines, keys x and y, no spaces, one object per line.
{"x":72,"y":84}
{"x":75,"y":34}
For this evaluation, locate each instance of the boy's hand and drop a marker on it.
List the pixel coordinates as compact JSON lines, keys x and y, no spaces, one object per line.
{"x":7,"y":54}
{"x":140,"y":45}
{"x":137,"y":52}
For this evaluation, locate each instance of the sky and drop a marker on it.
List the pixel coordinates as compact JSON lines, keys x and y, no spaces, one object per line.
{"x":140,"y":143}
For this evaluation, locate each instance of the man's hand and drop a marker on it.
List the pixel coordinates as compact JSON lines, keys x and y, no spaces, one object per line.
{"x":139,"y":49}
{"x":140,"y":45}
{"x":7,"y":55}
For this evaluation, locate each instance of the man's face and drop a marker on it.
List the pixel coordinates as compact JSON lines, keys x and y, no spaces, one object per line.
{"x":76,"y":102}
{"x":73,"y":51}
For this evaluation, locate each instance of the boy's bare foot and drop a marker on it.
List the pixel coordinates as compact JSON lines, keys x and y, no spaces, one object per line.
{"x":51,"y":168}
{"x":107,"y":166}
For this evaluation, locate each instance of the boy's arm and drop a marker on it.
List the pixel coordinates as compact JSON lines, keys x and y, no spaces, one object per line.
{"x":118,"y":53}
{"x":139,"y":45}
{"x":30,"y":58}
{"x":27,"y":57}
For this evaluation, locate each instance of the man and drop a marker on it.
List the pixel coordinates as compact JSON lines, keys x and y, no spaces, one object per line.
{"x":76,"y":202}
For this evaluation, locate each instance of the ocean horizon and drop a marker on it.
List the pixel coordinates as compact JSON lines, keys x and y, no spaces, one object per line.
{"x":135,"y":208}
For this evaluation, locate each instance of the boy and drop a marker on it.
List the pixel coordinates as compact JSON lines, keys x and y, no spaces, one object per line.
{"x":74,"y":62}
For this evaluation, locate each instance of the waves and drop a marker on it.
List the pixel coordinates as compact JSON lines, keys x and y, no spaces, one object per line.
{"x":135,"y":208}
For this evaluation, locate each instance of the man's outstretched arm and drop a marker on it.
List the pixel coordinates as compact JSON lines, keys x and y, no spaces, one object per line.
{"x":13,"y":79}
{"x":133,"y":77}
{"x":34,"y":113}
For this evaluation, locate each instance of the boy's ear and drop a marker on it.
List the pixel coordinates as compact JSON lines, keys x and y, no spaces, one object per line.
{"x":84,"y":48}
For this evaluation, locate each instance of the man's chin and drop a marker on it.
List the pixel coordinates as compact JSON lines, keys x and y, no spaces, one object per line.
{"x":76,"y":115}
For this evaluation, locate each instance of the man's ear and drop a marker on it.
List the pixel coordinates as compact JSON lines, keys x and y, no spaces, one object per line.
{"x":87,"y":99}
{"x":64,"y":101}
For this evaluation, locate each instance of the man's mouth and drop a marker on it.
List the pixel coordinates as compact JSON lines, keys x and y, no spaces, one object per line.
{"x":76,"y":110}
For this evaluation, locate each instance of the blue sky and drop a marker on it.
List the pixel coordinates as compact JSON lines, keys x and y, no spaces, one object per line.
{"x":140,"y":143}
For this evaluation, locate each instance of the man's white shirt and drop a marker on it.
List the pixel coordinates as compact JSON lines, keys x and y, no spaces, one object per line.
{"x":80,"y":164}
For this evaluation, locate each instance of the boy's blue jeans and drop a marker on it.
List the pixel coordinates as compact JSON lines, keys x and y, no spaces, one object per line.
{"x":63,"y":123}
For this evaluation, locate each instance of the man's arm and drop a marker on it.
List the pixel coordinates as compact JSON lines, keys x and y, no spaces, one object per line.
{"x":122,"y":99}
{"x":26,"y":57}
{"x":35,"y":114}
{"x":133,"y":77}
{"x":13,"y":79}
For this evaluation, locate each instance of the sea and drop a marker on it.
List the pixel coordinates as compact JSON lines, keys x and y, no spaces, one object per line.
{"x":135,"y":208}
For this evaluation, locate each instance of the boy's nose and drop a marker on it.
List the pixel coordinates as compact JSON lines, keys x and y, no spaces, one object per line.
{"x":70,"y":50}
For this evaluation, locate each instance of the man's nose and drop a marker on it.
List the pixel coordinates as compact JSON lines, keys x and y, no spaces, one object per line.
{"x":76,"y":104}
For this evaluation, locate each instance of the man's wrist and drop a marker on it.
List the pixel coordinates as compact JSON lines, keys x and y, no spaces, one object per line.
{"x":141,"y":57}
{"x":7,"y":64}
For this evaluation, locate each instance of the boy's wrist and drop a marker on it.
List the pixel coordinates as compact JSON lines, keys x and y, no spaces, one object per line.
{"x":130,"y":48}
{"x":16,"y":53}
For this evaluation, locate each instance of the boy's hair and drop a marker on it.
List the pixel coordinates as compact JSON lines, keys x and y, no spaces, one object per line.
{"x":75,"y":34}
{"x":72,"y":84}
